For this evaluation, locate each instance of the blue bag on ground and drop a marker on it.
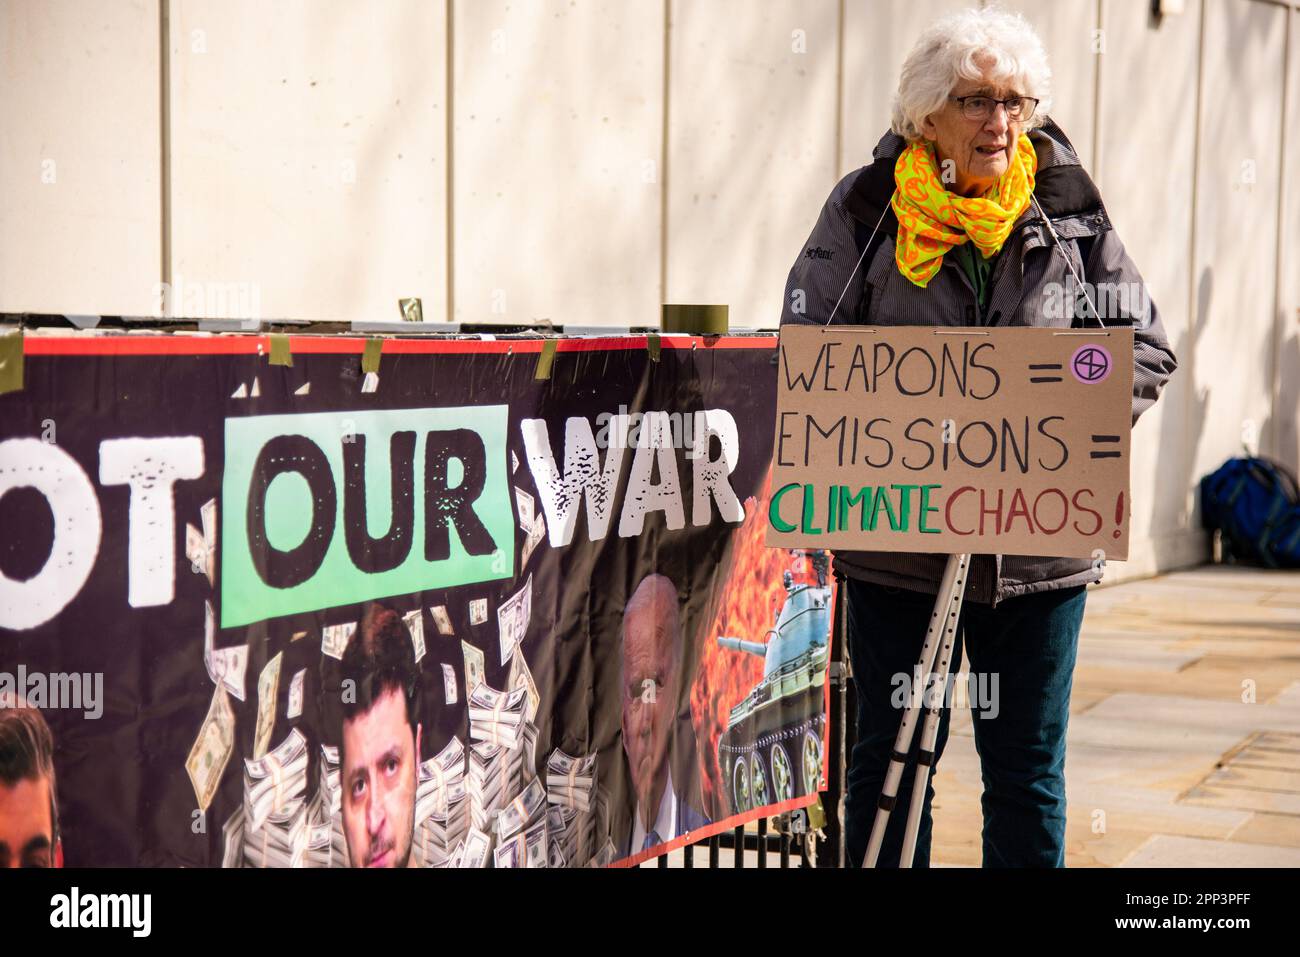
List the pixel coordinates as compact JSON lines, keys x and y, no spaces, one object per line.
{"x":1256,"y":504}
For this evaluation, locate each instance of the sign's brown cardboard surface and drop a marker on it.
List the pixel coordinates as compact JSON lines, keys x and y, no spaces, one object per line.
{"x":951,"y":440}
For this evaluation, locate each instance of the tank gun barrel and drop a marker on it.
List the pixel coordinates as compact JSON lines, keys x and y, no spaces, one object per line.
{"x":738,"y":644}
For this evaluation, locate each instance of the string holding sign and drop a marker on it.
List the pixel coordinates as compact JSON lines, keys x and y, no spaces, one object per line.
{"x":857,"y":265}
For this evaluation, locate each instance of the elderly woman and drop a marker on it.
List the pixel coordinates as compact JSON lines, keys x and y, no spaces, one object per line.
{"x":975,"y":211}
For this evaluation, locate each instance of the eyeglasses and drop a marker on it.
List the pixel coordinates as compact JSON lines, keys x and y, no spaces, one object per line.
{"x":981,"y":107}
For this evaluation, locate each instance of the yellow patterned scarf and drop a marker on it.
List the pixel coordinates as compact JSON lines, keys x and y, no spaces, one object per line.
{"x":932,"y":220}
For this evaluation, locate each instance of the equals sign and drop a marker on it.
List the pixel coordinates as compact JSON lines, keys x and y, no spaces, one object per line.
{"x":1045,"y":367}
{"x":1105,"y":440}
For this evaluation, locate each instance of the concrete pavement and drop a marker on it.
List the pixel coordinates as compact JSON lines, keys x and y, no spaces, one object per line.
{"x":1184,"y":739}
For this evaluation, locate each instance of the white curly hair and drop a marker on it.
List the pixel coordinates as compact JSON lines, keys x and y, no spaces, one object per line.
{"x":949,"y":50}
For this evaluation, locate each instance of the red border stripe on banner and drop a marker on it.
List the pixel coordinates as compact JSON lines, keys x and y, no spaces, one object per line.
{"x":234,"y":344}
{"x":718,"y":827}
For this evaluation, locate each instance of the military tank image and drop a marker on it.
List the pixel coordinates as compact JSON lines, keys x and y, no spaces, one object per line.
{"x":772,"y":748}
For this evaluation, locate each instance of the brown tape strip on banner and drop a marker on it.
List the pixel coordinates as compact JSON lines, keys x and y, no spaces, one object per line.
{"x":652,"y":345}
{"x":698,"y":320}
{"x":280,"y":354}
{"x":11,"y":362}
{"x":545,"y":359}
{"x":370,"y":358}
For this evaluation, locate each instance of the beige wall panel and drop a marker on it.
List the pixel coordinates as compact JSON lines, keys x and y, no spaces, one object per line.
{"x":80,"y":229}
{"x":558,"y":135}
{"x":308,"y":143}
{"x":751,"y":147}
{"x":1067,"y":29}
{"x":877,"y":38}
{"x":1147,"y":160}
{"x":1236,"y":228}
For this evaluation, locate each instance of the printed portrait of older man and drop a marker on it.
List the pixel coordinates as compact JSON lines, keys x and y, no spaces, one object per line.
{"x":652,"y":682}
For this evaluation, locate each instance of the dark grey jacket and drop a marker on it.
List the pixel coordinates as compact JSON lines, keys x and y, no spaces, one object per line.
{"x":1029,"y":261}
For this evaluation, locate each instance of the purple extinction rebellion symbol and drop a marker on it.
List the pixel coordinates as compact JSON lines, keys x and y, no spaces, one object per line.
{"x":1091,"y":364}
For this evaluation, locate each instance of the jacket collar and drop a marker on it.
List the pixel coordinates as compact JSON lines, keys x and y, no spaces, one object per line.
{"x":1062,"y":186}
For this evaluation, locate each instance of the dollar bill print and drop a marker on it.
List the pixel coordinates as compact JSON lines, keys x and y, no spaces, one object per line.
{"x":605,"y":856}
{"x":528,"y":849}
{"x":476,"y":849}
{"x":478,"y":611}
{"x":335,"y":638}
{"x":296,"y":692}
{"x":524,"y":506}
{"x":510,"y":853}
{"x":208,"y":516}
{"x":521,"y":810}
{"x":196,"y":550}
{"x":212,"y":748}
{"x":528,"y":750}
{"x":489,"y":706}
{"x":268,"y":688}
{"x":475,"y":666}
{"x":225,"y":666}
{"x":513,"y":618}
{"x":555,"y":856}
{"x":535,"y":535}
{"x":522,"y":677}
{"x":535,"y":845}
{"x":449,"y":683}
{"x":232,"y":835}
{"x":275,"y":785}
{"x":565,"y":769}
{"x":201,"y":546}
{"x":415,"y":625}
{"x":441,"y":620}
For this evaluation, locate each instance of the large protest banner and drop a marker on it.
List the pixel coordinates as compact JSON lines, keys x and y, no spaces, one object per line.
{"x":517,"y":592}
{"x":1007,"y":440}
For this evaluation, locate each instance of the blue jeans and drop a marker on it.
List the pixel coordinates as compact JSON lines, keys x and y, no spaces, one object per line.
{"x":1022,"y":656}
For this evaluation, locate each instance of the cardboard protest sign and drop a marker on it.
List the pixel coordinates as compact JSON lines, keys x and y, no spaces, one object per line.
{"x":951,"y":440}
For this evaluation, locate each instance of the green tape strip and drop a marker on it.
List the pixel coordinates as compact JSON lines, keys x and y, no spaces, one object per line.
{"x":280,"y":354}
{"x":370,"y":358}
{"x":11,"y":363}
{"x":545,"y":360}
{"x":652,"y":345}
{"x":816,"y":815}
{"x":412,"y":310}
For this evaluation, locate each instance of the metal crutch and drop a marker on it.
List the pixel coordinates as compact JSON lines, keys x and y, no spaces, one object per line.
{"x":942,"y":627}
{"x":937,"y":688}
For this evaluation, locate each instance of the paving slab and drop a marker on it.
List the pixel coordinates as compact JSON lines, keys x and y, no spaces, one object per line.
{"x":1163,"y":850}
{"x":1184,"y":741}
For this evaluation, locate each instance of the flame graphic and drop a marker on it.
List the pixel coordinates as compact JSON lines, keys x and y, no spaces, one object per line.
{"x":751,"y":599}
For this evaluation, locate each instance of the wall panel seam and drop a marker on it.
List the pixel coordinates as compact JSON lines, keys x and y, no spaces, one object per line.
{"x":449,"y":148}
{"x":164,"y":144}
{"x":664,"y":132}
{"x":1280,"y":251}
{"x":1193,"y":300}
